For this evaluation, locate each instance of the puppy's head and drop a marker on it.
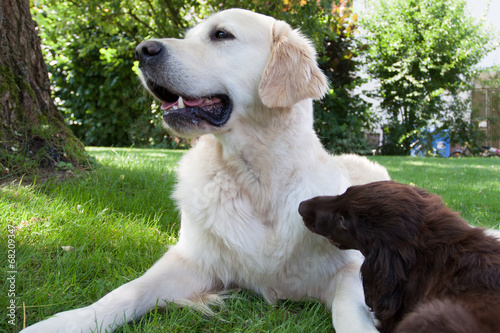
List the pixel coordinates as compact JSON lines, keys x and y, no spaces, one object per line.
{"x":385,"y":213}
{"x":328,"y":217}
{"x":233,"y":63}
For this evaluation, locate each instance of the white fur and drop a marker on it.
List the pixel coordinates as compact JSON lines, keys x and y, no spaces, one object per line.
{"x":240,"y":186}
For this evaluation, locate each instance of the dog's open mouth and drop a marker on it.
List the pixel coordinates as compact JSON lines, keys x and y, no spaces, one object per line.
{"x":214,"y":110}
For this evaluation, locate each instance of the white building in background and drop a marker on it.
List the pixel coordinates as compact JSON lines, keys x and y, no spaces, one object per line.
{"x":486,"y":106}
{"x":486,"y":98}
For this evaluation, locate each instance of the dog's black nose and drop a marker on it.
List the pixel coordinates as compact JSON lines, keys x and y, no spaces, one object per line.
{"x":148,"y":50}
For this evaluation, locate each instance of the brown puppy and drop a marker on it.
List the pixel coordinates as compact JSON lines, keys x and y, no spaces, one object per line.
{"x":425,"y":269}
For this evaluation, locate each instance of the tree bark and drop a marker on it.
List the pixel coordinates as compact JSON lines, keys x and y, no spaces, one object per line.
{"x":31,"y":126}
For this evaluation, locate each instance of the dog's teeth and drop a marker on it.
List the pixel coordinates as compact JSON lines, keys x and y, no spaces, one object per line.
{"x":175,"y":107}
{"x":180,"y":103}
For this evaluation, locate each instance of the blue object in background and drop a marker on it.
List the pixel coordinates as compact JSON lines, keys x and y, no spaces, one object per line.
{"x":440,"y":144}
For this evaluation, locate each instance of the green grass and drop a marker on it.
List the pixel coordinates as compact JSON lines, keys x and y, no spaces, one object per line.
{"x":119,"y":219}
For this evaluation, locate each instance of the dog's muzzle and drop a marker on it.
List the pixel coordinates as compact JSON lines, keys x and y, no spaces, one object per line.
{"x":180,"y":111}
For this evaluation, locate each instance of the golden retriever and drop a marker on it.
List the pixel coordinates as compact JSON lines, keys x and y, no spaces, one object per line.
{"x":244,"y":83}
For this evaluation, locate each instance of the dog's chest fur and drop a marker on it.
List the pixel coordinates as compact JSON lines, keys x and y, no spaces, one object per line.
{"x":251,"y":224}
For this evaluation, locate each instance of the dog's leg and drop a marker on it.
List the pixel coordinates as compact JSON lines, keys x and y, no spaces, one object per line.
{"x":171,"y":278}
{"x":349,"y":311}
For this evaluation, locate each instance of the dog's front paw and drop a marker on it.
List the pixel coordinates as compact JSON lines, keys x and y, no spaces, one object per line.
{"x":75,"y":321}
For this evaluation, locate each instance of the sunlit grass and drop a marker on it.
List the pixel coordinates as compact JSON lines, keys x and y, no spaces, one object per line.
{"x":78,"y":239}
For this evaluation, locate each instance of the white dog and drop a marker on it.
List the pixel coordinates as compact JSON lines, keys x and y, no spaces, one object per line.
{"x":244,"y":83}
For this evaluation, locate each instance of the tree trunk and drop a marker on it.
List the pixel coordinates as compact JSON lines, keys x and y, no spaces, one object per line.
{"x":31,"y":129}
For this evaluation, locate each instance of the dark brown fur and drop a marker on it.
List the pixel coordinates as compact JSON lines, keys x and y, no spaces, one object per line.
{"x":425,"y":269}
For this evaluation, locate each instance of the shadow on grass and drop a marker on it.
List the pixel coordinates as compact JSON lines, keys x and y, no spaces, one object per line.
{"x":77,"y":239}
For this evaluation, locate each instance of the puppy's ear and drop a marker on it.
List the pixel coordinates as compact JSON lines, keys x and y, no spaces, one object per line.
{"x":291,"y":73}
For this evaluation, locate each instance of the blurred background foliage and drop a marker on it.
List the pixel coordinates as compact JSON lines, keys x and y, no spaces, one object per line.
{"x":89,"y":48}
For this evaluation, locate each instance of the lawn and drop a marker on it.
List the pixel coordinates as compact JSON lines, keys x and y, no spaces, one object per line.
{"x":79,"y":238}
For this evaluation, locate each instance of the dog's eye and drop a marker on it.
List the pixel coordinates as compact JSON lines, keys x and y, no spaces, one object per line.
{"x":222,"y":35}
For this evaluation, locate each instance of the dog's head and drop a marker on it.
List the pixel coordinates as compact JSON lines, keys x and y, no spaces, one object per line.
{"x":232,"y":62}
{"x":379,"y":214}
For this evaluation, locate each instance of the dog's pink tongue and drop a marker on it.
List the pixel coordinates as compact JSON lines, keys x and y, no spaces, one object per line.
{"x":166,"y":106}
{"x":194,"y":102}
{"x":191,"y":103}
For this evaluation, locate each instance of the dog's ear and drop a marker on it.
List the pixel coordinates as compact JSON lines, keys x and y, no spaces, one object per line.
{"x":291,"y":73}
